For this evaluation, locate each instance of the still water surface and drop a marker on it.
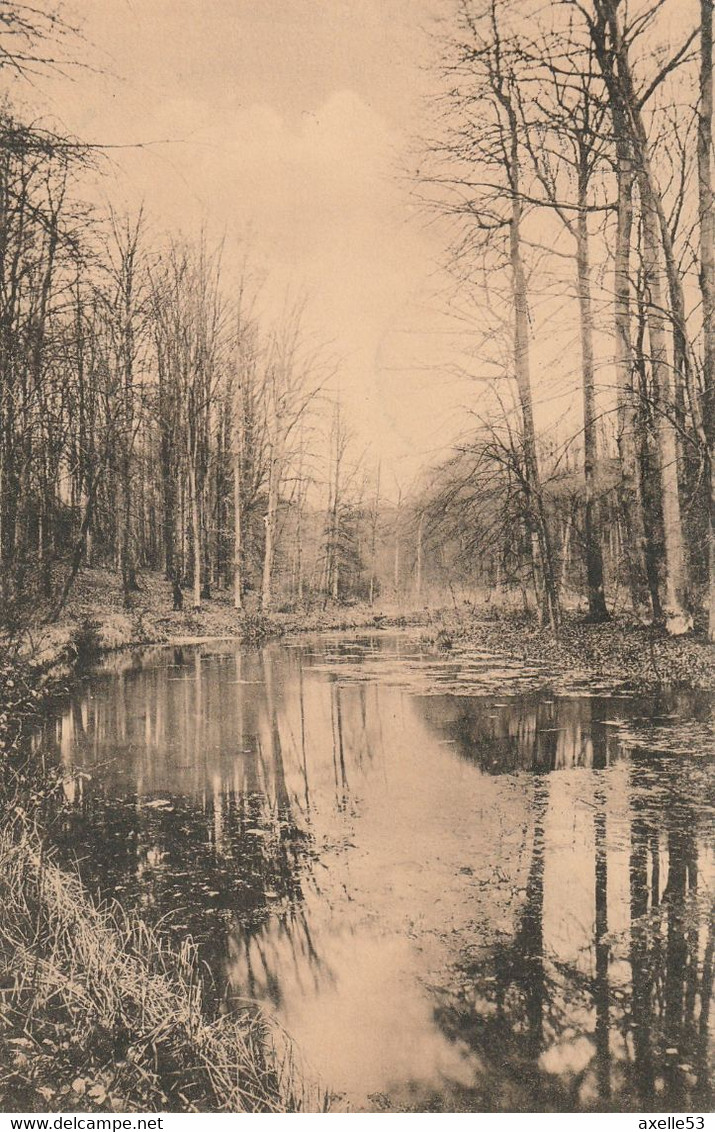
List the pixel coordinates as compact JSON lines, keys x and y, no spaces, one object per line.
{"x":456,"y":887}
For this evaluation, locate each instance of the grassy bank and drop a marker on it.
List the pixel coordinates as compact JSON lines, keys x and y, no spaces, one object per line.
{"x":97,"y":603}
{"x":98,"y":1014}
{"x":620,"y":650}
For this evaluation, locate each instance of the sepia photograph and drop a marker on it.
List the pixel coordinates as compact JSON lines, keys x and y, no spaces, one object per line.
{"x":357,"y":558}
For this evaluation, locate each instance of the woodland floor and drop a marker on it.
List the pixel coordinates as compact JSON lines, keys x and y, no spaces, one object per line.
{"x":619,"y":651}
{"x":96,"y":606}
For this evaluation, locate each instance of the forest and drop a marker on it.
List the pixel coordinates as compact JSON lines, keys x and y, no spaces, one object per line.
{"x":347,"y":766}
{"x":153,"y":417}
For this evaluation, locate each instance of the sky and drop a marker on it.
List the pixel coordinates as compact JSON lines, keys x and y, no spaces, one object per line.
{"x":289,"y":125}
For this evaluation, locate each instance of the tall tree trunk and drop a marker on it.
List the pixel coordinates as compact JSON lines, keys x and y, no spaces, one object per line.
{"x":168,"y":500}
{"x":396,"y":561}
{"x":373,"y":536}
{"x":182,"y":571}
{"x":237,"y":526}
{"x":707,"y":274}
{"x":299,"y":580}
{"x":195,"y":504}
{"x":647,"y":454}
{"x":535,"y":509}
{"x":629,"y":494}
{"x":240,"y":425}
{"x":334,"y":501}
{"x":418,"y":567}
{"x":334,"y":580}
{"x":536,"y":512}
{"x":566,"y":548}
{"x":592,"y":512}
{"x":677,"y":619}
{"x":617,"y":71}
{"x":270,"y":524}
{"x":205,"y":511}
{"x":616,"y":68}
{"x":126,"y":562}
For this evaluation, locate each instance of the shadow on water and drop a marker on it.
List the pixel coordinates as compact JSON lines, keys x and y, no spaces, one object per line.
{"x":488,"y":902}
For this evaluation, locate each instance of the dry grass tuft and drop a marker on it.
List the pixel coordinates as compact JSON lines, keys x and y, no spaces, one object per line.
{"x":118,"y":1016}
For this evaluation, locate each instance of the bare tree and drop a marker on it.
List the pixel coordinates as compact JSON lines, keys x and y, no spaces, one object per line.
{"x":611,"y":49}
{"x":707,"y":270}
{"x":126,"y":314}
{"x":294,"y":376}
{"x":192,"y":333}
{"x":566,"y":145}
{"x":487,"y":189}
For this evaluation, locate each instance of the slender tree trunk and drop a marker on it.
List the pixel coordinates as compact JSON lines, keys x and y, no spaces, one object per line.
{"x":707,"y":275}
{"x":535,"y":509}
{"x":204,"y":512}
{"x":629,"y":494}
{"x":677,"y":619}
{"x":396,"y":561}
{"x":168,"y":495}
{"x":126,"y":561}
{"x":418,"y":569}
{"x":182,"y":525}
{"x":335,"y":537}
{"x":126,"y":358}
{"x":240,"y":425}
{"x":617,"y":71}
{"x":566,"y":549}
{"x":270,"y":524}
{"x":592,"y":512}
{"x":237,"y":526}
{"x":616,"y":68}
{"x":335,"y":585}
{"x":218,"y":503}
{"x":195,"y":505}
{"x":373,"y":537}
{"x":299,"y":584}
{"x":536,"y":514}
{"x":647,"y":455}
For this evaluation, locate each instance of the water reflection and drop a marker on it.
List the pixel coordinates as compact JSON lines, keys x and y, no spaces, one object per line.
{"x":453,"y":902}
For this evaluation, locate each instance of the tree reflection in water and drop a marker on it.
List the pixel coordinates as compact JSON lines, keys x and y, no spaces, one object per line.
{"x":671,"y":939}
{"x":523,"y":876}
{"x":584,"y":1039}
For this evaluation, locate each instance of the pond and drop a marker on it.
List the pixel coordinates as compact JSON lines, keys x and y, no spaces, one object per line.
{"x":458,"y":885}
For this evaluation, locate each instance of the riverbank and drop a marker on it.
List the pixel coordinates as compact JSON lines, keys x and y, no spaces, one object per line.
{"x":619,"y":653}
{"x":97,"y":617}
{"x":98,"y":1014}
